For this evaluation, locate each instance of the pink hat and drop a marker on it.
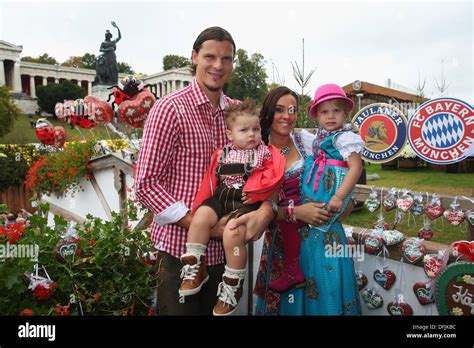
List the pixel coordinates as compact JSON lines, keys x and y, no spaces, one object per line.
{"x":328,"y":92}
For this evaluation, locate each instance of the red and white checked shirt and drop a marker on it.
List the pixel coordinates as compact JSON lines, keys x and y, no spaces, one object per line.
{"x":236,"y":155}
{"x":181,"y":133}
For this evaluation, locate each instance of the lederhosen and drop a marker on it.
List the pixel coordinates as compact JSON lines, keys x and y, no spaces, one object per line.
{"x":227,"y":200}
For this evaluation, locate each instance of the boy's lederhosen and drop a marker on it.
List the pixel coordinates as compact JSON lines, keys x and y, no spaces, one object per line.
{"x":228,"y":200}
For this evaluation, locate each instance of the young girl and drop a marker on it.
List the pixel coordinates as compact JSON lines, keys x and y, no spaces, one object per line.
{"x":241,"y":176}
{"x":335,"y":167}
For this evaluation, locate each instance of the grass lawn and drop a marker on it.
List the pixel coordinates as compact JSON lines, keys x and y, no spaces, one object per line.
{"x":22,"y":132}
{"x":424,"y":179}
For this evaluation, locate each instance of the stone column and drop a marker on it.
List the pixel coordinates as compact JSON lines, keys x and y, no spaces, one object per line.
{"x":56,"y":80}
{"x":168,"y":87}
{"x":89,"y":87}
{"x":45,"y":81}
{"x":16,"y":77}
{"x":79,"y":83}
{"x":32,"y":87}
{"x":173,"y":85}
{"x":3,"y":80}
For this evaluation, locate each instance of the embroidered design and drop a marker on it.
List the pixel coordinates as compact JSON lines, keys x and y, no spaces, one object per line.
{"x":329,"y":180}
{"x":304,"y":232}
{"x":311,"y":291}
{"x":331,"y":238}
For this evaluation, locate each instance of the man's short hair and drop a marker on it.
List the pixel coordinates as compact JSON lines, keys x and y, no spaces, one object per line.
{"x":247,"y":108}
{"x":212,"y":33}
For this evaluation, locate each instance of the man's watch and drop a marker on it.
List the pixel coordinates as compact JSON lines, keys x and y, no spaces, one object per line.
{"x":274,"y":207}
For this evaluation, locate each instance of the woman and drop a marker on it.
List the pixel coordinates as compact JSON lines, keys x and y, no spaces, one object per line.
{"x":329,"y":287}
{"x":108,"y":57}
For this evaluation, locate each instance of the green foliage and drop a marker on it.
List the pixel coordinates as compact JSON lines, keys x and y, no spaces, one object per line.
{"x":9,"y":112}
{"x":44,"y":59}
{"x":89,"y":60}
{"x":61,"y":171}
{"x":172,"y":61}
{"x":13,"y":172}
{"x":107,"y":275}
{"x":304,"y":118}
{"x":49,"y":95}
{"x":248,"y":79}
{"x":124,"y":68}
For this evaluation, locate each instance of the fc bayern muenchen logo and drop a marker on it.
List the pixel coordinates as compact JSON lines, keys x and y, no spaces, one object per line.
{"x":441,"y":130}
{"x":384,"y":129}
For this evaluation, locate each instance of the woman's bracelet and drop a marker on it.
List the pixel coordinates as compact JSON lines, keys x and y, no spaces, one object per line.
{"x":290,"y":212}
{"x":341,"y":199}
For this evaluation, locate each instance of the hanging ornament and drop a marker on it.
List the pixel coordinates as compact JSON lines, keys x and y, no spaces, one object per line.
{"x":417,"y":207}
{"x":374,"y":242}
{"x":68,"y":245}
{"x":432,"y":265}
{"x":470,"y":217}
{"x":426,"y":232}
{"x":405,"y":202}
{"x":372,"y":203}
{"x":380,"y":224}
{"x":434,"y":209}
{"x":413,"y":250}
{"x":383,"y":276}
{"x":424,"y":292}
{"x":372,"y":299}
{"x":399,"y":307}
{"x":392,"y":237}
{"x":42,"y":287}
{"x":390,"y":200}
{"x":454,"y":214}
{"x":361,"y":280}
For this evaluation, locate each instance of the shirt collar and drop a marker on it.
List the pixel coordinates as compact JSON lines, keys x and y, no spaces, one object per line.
{"x":201,"y":98}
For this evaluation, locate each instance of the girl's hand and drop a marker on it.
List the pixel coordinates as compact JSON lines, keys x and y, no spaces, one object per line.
{"x":335,"y":204}
{"x":245,"y":199}
{"x":312,"y":213}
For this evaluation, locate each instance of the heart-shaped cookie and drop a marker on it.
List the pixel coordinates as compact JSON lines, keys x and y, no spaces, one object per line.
{"x":417,"y":208}
{"x":425,"y":233}
{"x":413,"y":250}
{"x":59,"y":136}
{"x":389,"y":202}
{"x":424,"y":293}
{"x":470,"y":217}
{"x":380,"y":225}
{"x":361,"y":280}
{"x":432,"y":265}
{"x":405,"y":203}
{"x":373,"y":243}
{"x":372,"y":299}
{"x":385,"y":279}
{"x":454,"y":216}
{"x":399,"y":309}
{"x":433,"y":211}
{"x":392,"y":237}
{"x":372,"y":204}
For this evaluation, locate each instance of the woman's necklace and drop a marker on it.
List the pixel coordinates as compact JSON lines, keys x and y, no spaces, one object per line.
{"x":285,"y":150}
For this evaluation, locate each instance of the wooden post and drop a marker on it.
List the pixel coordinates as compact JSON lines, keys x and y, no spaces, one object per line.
{"x":250,"y":279}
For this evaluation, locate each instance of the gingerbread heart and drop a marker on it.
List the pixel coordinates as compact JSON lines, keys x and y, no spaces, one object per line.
{"x":361,"y":280}
{"x":417,"y":208}
{"x":399,"y":309}
{"x":134,"y":112}
{"x":433,"y":211}
{"x":372,"y":204}
{"x":392,"y":237}
{"x":432,"y":265}
{"x":470,"y":217}
{"x":389,"y":203}
{"x":413,"y":250}
{"x":373,"y":243}
{"x":405,"y":203}
{"x":424,"y":293}
{"x":425,"y":233}
{"x":382,"y":225}
{"x":100,"y":109}
{"x":385,"y":279}
{"x":454,"y":216}
{"x":372,"y":299}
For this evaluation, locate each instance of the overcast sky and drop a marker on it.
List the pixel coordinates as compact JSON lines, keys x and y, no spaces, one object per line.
{"x":346,"y":41}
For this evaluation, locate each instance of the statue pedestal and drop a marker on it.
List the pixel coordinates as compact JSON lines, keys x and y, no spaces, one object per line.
{"x":101,"y":91}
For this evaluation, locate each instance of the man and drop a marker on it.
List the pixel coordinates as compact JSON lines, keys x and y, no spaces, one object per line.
{"x":182,"y":131}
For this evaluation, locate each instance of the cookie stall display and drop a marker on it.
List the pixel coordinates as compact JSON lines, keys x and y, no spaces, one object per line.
{"x":390,"y":201}
{"x":385,"y":278}
{"x":417,"y":207}
{"x":399,"y":307}
{"x":372,"y":299}
{"x":424,"y":292}
{"x":372,"y":203}
{"x":413,"y":250}
{"x":434,"y":209}
{"x":455,"y":290}
{"x":392,"y":237}
{"x":405,"y":202}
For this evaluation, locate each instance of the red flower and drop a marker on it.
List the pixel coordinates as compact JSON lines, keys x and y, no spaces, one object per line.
{"x":87,"y":176}
{"x":26,"y":312}
{"x":92,"y":242}
{"x":79,"y":252}
{"x":150,"y":312}
{"x":42,"y":293}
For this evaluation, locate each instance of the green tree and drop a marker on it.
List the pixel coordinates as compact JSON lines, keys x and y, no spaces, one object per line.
{"x":248,"y":78}
{"x":44,"y":59}
{"x":49,"y":95}
{"x":89,"y":60}
{"x":9,"y":112}
{"x":74,"y":62}
{"x":124,"y":68}
{"x":304,"y":118}
{"x":172,"y":61}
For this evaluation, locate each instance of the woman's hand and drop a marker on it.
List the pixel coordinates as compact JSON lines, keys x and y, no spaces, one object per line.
{"x":312,"y":213}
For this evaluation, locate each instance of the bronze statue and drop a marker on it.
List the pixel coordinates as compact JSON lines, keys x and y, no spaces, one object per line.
{"x":106,"y":67}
